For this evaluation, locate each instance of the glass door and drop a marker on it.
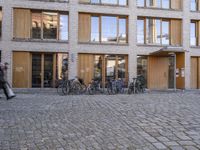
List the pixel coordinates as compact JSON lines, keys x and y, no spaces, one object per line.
{"x":48,"y":70}
{"x":36,"y":70}
{"x":42,"y":70}
{"x":110,"y":67}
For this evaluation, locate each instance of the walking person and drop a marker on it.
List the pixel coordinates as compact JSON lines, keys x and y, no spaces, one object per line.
{"x":4,"y":84}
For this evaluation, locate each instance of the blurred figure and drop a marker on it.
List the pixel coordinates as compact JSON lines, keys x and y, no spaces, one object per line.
{"x":3,"y":82}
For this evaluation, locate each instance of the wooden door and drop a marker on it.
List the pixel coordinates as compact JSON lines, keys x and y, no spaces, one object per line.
{"x":86,"y":67}
{"x":158,"y":69}
{"x":21,"y":70}
{"x":194,"y":73}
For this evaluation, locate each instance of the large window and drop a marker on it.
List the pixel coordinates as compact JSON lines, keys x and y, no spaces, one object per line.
{"x":153,"y":31}
{"x":49,"y":25}
{"x":0,"y":22}
{"x":194,"y":5}
{"x":154,"y":3}
{"x":108,"y":29}
{"x":109,"y":2}
{"x":193,"y":34}
{"x":51,"y":0}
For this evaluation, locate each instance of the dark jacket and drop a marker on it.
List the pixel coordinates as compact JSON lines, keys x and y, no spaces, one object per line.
{"x":2,"y":79}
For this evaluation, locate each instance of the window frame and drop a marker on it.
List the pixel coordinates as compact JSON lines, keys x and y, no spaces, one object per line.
{"x":101,"y":3}
{"x":58,"y":25}
{"x":100,"y":29}
{"x":155,"y":7}
{"x":145,"y":30}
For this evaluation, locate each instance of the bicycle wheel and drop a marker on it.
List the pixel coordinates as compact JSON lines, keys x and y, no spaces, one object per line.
{"x":83,"y":88}
{"x":91,"y":90}
{"x":60,"y":90}
{"x":76,"y":88}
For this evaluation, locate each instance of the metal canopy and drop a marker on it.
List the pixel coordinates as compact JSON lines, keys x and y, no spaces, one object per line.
{"x":168,"y":51}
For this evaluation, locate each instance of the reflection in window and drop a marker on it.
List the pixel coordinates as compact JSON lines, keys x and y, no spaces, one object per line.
{"x":36,"y":25}
{"x":62,"y":66}
{"x":153,"y":31}
{"x":110,"y":67}
{"x":110,"y":2}
{"x":122,"y":30}
{"x":141,"y":3}
{"x":193,"y":5}
{"x":165,"y":32}
{"x":98,"y":59}
{"x":50,"y":25}
{"x":154,"y":3}
{"x":109,"y":29}
{"x":193,"y":37}
{"x":63,"y":34}
{"x":140,"y":31}
{"x":94,"y":29}
{"x":121,"y":67}
{"x":142,"y":67}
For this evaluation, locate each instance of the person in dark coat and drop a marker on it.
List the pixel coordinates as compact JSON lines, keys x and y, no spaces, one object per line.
{"x":3,"y":84}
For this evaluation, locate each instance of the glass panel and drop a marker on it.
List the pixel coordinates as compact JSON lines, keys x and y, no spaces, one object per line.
{"x":171,"y":72}
{"x":142,"y":67}
{"x":123,"y":2}
{"x":166,"y":4}
{"x":141,"y":3}
{"x":36,"y":70}
{"x":109,"y":29}
{"x":157,"y":3}
{"x":98,"y":61}
{"x":48,"y":70}
{"x":95,"y":1}
{"x":149,"y":3}
{"x":140,"y":31}
{"x":153,"y":31}
{"x":193,"y":5}
{"x":63,"y":34}
{"x":193,"y":40}
{"x":109,"y":2}
{"x":50,"y":21}
{"x":165,"y":32}
{"x":0,"y":23}
{"x":122,"y":30}
{"x":121,"y":67}
{"x":110,"y":67}
{"x":62,"y":66}
{"x":36,"y":25}
{"x":94,"y":29}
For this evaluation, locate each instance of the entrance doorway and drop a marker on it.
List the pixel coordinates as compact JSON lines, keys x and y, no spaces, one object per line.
{"x":42,"y":70}
{"x":195,"y":72}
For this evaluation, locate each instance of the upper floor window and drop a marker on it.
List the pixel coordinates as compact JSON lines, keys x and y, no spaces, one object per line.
{"x":165,"y":4}
{"x":51,"y":0}
{"x":194,"y":33}
{"x":158,"y":31}
{"x":194,"y":5}
{"x":40,"y":24}
{"x":103,"y":29}
{"x":106,"y":2}
{"x":0,"y":22}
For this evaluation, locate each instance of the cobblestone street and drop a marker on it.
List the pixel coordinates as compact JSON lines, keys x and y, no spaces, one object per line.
{"x":122,"y":122}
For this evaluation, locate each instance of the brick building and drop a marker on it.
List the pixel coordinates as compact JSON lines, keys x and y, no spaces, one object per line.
{"x":100,"y":39}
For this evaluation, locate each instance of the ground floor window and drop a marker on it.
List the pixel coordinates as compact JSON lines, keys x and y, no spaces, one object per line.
{"x":103,"y":67}
{"x":38,"y":70}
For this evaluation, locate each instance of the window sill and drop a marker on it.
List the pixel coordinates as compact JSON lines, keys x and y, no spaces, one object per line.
{"x":112,"y":5}
{"x":195,"y":46}
{"x":38,"y":40}
{"x":155,"y":8}
{"x":92,"y":43}
{"x":49,"y":1}
{"x":194,"y":11}
{"x":156,"y":45}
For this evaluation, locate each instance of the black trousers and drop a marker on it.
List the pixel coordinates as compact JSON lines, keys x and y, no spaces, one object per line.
{"x":3,"y":86}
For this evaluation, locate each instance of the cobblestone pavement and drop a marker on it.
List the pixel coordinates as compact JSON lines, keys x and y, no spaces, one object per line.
{"x":121,"y":122}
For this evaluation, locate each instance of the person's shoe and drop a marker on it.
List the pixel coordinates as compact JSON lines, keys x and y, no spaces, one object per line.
{"x":8,"y":98}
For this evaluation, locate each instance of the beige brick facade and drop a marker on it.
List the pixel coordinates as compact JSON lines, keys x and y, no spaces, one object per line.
{"x":7,"y":45}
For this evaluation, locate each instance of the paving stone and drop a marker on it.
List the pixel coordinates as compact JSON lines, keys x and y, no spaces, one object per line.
{"x":142,"y":121}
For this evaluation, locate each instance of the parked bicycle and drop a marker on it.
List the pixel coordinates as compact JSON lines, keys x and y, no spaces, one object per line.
{"x":95,"y":87}
{"x":73,"y":86}
{"x":115,"y":86}
{"x":137,"y":85}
